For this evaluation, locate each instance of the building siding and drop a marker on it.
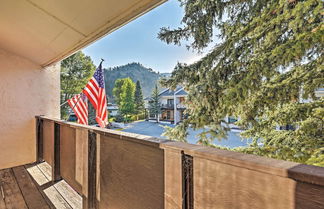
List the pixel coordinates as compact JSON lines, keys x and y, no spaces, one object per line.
{"x":26,"y":90}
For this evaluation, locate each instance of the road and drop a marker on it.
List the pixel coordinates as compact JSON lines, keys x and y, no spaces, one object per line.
{"x":156,"y":130}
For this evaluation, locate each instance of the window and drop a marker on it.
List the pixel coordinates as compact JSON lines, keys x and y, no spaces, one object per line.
{"x":170,"y":102}
{"x":231,"y":119}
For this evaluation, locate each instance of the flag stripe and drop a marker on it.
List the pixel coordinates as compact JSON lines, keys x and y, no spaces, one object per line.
{"x":94,"y":85}
{"x":95,"y":91}
{"x":93,"y":88}
{"x":91,"y":97}
{"x":76,"y":103}
{"x":79,"y":106}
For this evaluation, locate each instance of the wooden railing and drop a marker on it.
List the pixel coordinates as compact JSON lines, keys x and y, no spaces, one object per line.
{"x":112,"y":169}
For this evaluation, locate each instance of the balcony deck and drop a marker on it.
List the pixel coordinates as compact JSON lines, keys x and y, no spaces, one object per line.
{"x":30,"y":187}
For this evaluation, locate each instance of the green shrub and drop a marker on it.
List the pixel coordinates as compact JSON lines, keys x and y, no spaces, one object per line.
{"x":119,"y":118}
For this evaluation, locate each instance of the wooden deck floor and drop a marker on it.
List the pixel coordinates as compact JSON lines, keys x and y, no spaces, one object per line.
{"x":30,"y":187}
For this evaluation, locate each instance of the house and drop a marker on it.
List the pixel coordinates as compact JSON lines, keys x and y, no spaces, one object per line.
{"x":172,"y":105}
{"x":44,"y":159}
{"x":112,"y":109}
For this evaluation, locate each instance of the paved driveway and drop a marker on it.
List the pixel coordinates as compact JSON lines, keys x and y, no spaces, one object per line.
{"x":156,"y":130}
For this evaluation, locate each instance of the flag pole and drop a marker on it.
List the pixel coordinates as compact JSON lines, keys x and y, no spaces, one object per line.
{"x":63,"y":103}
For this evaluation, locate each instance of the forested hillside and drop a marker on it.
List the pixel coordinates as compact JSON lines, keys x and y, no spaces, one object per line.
{"x":136,"y":72}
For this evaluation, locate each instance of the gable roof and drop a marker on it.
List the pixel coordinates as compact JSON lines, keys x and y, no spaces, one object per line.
{"x":182,"y":92}
{"x":168,"y":92}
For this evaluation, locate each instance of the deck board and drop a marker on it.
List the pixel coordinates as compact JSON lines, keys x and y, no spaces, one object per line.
{"x":57,"y":199}
{"x":37,"y":175}
{"x":32,"y":195}
{"x":30,"y":187}
{"x":71,"y":196}
{"x":46,"y":169}
{"x":2,"y":203}
{"x":13,"y":197}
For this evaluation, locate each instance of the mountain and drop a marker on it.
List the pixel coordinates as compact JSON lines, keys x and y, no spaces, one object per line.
{"x":135,"y":71}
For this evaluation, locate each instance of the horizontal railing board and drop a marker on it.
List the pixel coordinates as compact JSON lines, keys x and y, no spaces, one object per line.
{"x":143,"y":139}
{"x":297,"y":171}
{"x":253,"y":162}
{"x":307,"y":173}
{"x":312,"y":174}
{"x":140,"y":139}
{"x":272,"y":175}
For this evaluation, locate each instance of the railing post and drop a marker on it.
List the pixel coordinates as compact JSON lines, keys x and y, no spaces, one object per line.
{"x":39,"y":140}
{"x":91,"y":201}
{"x":56,"y":172}
{"x":187,"y":182}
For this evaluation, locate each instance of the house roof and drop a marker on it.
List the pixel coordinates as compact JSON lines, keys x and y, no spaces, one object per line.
{"x":182,"y":92}
{"x":46,"y":32}
{"x":178,"y":91}
{"x":168,"y":92}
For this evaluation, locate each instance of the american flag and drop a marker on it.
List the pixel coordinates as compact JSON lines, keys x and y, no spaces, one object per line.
{"x":79,"y":105}
{"x":95,"y":91}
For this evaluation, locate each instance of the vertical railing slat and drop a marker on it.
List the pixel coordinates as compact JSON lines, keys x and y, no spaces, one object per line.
{"x":39,"y":140}
{"x":92,"y":169}
{"x":56,"y":172}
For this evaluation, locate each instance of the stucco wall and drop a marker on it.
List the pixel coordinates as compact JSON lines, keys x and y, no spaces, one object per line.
{"x":26,"y":90}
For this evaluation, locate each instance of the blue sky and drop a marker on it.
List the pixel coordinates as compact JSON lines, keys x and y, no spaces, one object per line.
{"x":137,"y":42}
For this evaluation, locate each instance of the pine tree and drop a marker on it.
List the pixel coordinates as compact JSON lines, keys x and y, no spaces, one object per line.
{"x":139,"y":100}
{"x":155,"y":105}
{"x":268,"y":57}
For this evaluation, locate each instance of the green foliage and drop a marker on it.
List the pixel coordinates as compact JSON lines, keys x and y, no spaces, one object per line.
{"x":76,"y":71}
{"x":124,"y":119}
{"x":117,"y":90}
{"x":112,"y":119}
{"x":119,"y":118}
{"x":139,"y":100}
{"x":134,"y":71}
{"x":141,"y":116}
{"x":155,"y":105}
{"x":317,"y":158}
{"x":267,"y":58}
{"x":127,"y":104}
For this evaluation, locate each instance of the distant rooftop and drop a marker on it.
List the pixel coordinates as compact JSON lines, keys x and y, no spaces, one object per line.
{"x":178,"y":91}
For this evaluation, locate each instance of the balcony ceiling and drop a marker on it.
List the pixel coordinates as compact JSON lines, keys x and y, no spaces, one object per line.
{"x":46,"y":31}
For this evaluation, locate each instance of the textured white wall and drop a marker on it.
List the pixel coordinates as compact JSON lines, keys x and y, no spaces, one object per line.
{"x":26,"y":90}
